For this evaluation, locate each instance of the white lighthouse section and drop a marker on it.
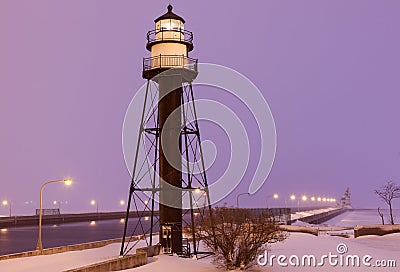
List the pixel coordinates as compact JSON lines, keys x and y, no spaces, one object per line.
{"x":169,"y":44}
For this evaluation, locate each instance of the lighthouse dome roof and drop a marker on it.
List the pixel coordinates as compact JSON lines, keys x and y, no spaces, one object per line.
{"x":170,"y":15}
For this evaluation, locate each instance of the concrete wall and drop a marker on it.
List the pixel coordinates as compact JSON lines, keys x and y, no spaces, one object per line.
{"x":305,"y":229}
{"x":63,"y":249}
{"x":126,"y":262}
{"x":322,"y":217}
{"x":33,"y":220}
{"x":116,"y":264}
{"x":375,"y":230}
{"x":150,"y":250}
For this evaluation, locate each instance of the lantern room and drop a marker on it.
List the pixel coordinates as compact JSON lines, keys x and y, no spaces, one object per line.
{"x":169,"y":44}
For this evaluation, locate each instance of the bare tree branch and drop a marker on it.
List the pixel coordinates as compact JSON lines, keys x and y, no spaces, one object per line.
{"x":387,"y":193}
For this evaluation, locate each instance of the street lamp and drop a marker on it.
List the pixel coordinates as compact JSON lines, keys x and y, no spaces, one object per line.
{"x":275,"y":196}
{"x":293,"y":197}
{"x":237,"y":198}
{"x":94,"y":202}
{"x":5,"y":203}
{"x":55,"y":202}
{"x":67,"y":182}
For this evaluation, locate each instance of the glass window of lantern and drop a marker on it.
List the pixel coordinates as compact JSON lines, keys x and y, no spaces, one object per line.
{"x":171,"y":24}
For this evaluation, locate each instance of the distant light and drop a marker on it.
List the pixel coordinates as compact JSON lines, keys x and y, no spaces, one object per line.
{"x":92,"y":223}
{"x":146,"y":202}
{"x":4,"y":230}
{"x":122,"y":220}
{"x":68,"y":182}
{"x":304,"y":198}
{"x":324,"y":199}
{"x":292,"y":197}
{"x":319,"y":199}
{"x":122,"y":202}
{"x":196,"y":214}
{"x":55,"y":226}
{"x":146,"y":218}
{"x":55,"y":202}
{"x":93,"y":202}
{"x":5,"y":202}
{"x":312,"y":198}
{"x":276,"y":196}
{"x":204,"y":194}
{"x":197,"y":190}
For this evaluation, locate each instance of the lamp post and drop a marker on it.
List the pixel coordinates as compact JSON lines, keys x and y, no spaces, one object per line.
{"x":55,"y":202}
{"x":94,"y":202}
{"x":293,"y":198}
{"x":237,"y":198}
{"x":67,"y":182}
{"x":274,"y":196}
{"x":5,"y":203}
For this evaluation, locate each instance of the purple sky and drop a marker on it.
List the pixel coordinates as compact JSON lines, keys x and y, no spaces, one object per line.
{"x":328,"y":69}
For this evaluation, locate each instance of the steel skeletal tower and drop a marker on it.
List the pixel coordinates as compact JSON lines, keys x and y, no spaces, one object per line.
{"x":169,"y":189}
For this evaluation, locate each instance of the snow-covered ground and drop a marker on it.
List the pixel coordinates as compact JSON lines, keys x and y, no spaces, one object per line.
{"x":299,"y":244}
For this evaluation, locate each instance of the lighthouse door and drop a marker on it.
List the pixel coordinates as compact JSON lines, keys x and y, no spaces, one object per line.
{"x":166,"y":236}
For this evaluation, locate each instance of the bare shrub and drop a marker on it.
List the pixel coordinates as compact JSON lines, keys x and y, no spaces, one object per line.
{"x":236,"y":236}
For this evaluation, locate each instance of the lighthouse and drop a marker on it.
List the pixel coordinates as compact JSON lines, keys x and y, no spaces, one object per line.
{"x":175,"y":146}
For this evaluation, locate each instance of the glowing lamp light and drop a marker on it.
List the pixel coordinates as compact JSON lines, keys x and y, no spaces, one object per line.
{"x":312,"y":198}
{"x":276,"y":196}
{"x":5,"y":202}
{"x":68,"y":182}
{"x":121,"y":202}
{"x":292,"y":197}
{"x":304,"y":198}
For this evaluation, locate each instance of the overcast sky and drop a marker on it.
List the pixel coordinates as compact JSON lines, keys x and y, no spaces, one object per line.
{"x":328,"y":69}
